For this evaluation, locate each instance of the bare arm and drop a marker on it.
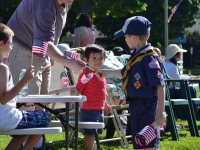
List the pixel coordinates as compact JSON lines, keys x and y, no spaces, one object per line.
{"x":103,"y":73}
{"x":56,"y":54}
{"x":161,"y":97}
{"x":160,"y":114}
{"x":7,"y":94}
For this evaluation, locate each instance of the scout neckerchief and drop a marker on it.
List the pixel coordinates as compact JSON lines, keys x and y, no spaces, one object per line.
{"x":132,"y":61}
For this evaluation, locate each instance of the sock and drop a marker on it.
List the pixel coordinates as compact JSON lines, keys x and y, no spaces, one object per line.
{"x":39,"y":143}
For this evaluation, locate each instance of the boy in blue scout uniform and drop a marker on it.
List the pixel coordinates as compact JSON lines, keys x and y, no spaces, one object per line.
{"x":142,"y":79}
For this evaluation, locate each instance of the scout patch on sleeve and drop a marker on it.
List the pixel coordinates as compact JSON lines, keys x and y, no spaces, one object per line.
{"x":137,"y":84}
{"x":137,"y":76}
{"x":154,"y":64}
{"x":85,"y":78}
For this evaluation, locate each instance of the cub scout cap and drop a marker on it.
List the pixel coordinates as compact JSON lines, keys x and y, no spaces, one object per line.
{"x":136,"y":25}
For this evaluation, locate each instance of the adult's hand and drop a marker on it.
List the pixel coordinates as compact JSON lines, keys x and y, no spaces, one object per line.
{"x":29,"y":74}
{"x":54,"y":53}
{"x":52,"y":62}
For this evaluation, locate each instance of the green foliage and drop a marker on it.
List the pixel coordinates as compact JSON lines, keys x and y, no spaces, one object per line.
{"x":109,"y":23}
{"x":197,"y":15}
{"x":7,"y":7}
{"x":109,"y":16}
{"x":183,"y":18}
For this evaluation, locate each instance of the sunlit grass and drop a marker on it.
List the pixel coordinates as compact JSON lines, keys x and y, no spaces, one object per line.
{"x":186,"y":142}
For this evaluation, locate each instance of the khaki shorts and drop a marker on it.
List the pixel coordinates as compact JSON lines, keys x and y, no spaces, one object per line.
{"x":20,"y":58}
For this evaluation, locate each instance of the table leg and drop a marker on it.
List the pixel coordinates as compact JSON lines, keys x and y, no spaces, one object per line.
{"x":67,"y":126}
{"x":76,"y":124}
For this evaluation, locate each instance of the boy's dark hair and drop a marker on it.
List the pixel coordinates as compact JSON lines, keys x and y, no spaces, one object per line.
{"x":94,"y":48}
{"x":84,"y":20}
{"x":5,"y":33}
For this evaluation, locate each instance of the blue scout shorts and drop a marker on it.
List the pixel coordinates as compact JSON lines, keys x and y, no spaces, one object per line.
{"x":142,"y":113}
{"x":92,"y":116}
{"x":34,"y":119}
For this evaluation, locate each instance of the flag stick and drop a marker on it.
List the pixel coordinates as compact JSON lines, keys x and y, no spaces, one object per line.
{"x":32,"y":59}
{"x":90,"y":68}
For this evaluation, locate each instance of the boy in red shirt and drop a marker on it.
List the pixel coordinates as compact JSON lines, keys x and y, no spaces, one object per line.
{"x":94,"y":88}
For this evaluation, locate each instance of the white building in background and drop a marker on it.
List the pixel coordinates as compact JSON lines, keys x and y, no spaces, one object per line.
{"x":195,"y":27}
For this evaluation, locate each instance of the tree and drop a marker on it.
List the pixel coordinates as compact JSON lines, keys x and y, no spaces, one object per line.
{"x":109,"y":16}
{"x":7,"y":8}
{"x":155,"y":13}
{"x":102,"y":10}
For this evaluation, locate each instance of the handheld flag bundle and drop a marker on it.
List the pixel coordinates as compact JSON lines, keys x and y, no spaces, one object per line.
{"x":146,"y":135}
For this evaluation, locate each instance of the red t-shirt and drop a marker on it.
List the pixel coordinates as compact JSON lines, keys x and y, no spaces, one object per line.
{"x":94,"y":89}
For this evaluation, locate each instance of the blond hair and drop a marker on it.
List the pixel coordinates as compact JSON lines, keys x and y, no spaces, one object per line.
{"x":144,"y":37}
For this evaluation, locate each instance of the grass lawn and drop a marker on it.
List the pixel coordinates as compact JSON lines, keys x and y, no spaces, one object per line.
{"x":186,"y":142}
{"x":194,"y":71}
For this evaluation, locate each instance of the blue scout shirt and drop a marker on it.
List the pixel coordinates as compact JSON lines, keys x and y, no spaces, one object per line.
{"x":144,"y":76}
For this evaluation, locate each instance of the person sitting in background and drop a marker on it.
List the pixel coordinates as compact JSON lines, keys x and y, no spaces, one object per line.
{"x":158,"y":51}
{"x":173,"y":55}
{"x":118,"y":51}
{"x":83,"y":32}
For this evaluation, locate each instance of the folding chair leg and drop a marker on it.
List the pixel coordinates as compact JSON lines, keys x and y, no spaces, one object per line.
{"x":97,"y":139}
{"x":172,"y":124}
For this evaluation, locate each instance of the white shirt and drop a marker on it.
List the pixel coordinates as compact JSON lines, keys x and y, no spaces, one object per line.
{"x":173,"y":72}
{"x":10,"y":116}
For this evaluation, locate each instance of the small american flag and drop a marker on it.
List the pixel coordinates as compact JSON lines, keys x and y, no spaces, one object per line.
{"x":86,"y":78}
{"x":145,"y":136}
{"x":39,"y":47}
{"x":64,"y":80}
{"x":71,"y":54}
{"x":174,"y":10}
